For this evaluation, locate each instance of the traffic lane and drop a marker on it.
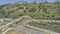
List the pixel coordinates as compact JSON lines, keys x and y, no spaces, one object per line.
{"x":28,"y":31}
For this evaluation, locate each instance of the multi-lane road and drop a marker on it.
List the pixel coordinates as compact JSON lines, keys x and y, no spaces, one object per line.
{"x":28,"y":31}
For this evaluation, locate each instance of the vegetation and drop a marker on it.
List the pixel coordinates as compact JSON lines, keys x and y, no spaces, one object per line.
{"x":7,"y":20}
{"x":44,"y":10}
{"x":35,"y":10}
{"x":50,"y":26}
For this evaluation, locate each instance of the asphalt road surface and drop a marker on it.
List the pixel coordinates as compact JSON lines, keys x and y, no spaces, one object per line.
{"x":28,"y":31}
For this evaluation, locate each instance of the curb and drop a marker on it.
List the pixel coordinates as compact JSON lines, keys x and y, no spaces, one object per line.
{"x":39,"y":29}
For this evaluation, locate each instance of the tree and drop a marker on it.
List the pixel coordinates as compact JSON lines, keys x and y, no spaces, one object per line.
{"x":57,"y":0}
{"x":46,"y":1}
{"x":42,"y":1}
{"x":25,"y":3}
{"x":39,"y":5}
{"x":44,"y":9}
{"x":58,"y":7}
{"x":25,"y":8}
{"x":34,"y":2}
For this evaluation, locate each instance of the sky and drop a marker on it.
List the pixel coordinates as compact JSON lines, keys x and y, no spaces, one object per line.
{"x":14,"y":1}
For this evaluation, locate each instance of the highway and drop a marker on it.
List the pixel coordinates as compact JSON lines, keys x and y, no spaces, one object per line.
{"x":24,"y":29}
{"x":27,"y":30}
